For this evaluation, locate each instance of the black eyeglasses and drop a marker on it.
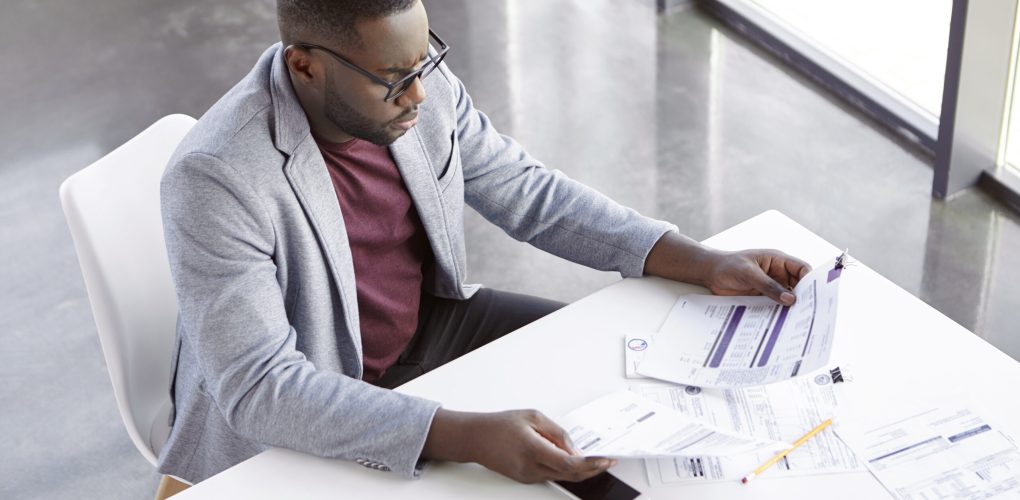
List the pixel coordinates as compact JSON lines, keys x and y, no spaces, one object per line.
{"x":397,"y":88}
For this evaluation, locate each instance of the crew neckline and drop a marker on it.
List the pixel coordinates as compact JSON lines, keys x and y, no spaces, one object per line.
{"x":335,"y":147}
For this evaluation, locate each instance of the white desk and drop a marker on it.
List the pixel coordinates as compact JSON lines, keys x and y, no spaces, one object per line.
{"x":896,"y":345}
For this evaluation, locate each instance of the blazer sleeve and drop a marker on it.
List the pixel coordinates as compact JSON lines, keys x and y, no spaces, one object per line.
{"x":543,"y":206}
{"x":220,"y":240}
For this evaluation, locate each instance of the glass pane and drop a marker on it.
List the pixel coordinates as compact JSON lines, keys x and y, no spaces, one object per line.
{"x":899,"y":43}
{"x":1013,"y":136}
{"x":1012,"y":157}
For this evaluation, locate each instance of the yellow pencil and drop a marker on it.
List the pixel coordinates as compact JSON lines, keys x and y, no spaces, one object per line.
{"x":777,"y":458}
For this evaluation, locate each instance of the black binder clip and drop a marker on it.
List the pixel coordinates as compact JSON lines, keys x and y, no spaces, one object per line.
{"x":841,"y":262}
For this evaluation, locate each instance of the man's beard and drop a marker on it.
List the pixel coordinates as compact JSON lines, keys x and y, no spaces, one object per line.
{"x":349,"y":120}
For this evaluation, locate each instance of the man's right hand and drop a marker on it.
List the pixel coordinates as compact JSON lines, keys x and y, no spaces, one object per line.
{"x":523,"y":445}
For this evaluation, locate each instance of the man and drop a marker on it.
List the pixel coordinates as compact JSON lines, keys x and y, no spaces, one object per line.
{"x":314,"y":225}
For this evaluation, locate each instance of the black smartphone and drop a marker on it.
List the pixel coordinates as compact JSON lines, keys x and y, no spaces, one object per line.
{"x":604,"y":486}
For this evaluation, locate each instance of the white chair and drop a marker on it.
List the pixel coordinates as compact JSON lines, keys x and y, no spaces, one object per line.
{"x":113,"y":211}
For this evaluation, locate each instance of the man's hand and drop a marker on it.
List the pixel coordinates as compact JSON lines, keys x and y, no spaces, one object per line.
{"x":749,"y":272}
{"x":757,"y":272}
{"x":523,"y":445}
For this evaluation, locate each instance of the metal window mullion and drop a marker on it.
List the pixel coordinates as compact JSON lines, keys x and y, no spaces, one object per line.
{"x":974,"y":98}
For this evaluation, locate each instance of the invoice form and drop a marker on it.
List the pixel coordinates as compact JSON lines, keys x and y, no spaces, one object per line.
{"x":625,"y":425}
{"x":937,"y":451}
{"x":714,"y":341}
{"x":783,"y":412}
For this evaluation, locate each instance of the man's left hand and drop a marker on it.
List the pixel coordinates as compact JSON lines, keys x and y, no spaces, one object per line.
{"x":757,"y":272}
{"x":748,"y":272}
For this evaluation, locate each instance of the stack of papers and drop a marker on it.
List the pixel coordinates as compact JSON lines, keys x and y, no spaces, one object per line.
{"x":936,"y":451}
{"x":781,"y":412}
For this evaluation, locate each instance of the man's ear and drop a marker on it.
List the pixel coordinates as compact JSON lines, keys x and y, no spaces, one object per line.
{"x":302,"y":68}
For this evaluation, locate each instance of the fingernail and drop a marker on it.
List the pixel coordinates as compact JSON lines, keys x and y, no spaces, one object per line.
{"x":605,"y":464}
{"x":787,"y":298}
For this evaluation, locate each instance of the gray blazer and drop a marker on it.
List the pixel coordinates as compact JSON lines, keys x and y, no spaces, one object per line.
{"x":269,"y":346}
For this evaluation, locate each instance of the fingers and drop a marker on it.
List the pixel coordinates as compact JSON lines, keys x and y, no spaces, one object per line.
{"x":563,"y":467}
{"x":553,"y":432}
{"x":795,"y":268}
{"x":546,"y":473}
{"x":571,"y":467}
{"x":555,"y":452}
{"x":772,"y":289}
{"x":760,"y":272}
{"x":785,"y":269}
{"x":585,"y":468}
{"x":781,"y":272}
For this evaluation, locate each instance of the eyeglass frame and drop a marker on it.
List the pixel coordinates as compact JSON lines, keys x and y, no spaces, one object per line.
{"x":406,"y":80}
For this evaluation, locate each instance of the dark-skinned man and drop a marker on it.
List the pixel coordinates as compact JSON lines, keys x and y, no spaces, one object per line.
{"x":314,"y":223}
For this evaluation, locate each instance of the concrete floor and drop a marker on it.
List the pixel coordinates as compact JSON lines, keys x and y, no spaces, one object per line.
{"x":672,"y":115}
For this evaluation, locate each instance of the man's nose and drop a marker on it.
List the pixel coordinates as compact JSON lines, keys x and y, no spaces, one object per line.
{"x":414,"y":96}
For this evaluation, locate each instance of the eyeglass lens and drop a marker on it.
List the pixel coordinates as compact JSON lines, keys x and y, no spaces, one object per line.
{"x":425,"y":70}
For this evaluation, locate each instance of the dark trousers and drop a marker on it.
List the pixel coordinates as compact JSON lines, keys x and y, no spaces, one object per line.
{"x":449,"y":329}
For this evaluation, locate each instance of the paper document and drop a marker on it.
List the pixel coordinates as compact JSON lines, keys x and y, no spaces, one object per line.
{"x":625,"y":425}
{"x":936,"y":452}
{"x":635,"y":345}
{"x":713,"y":341}
{"x":781,"y":412}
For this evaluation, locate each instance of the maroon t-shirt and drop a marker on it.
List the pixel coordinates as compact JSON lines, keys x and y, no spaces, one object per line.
{"x":388,"y":244}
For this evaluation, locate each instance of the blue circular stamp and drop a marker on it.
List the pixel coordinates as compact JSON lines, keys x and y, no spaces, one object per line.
{"x":637,"y":345}
{"x":823,"y":379}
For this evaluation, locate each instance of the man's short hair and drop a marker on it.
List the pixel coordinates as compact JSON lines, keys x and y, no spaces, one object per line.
{"x":331,"y":21}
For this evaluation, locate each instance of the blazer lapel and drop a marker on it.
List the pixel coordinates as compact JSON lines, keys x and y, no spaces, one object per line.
{"x":409,"y":154}
{"x":306,"y":172}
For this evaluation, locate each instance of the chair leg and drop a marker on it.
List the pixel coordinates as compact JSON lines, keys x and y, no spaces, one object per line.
{"x":169,"y":487}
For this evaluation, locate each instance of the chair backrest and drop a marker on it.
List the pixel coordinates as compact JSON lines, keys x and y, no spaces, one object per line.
{"x":113,"y":211}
